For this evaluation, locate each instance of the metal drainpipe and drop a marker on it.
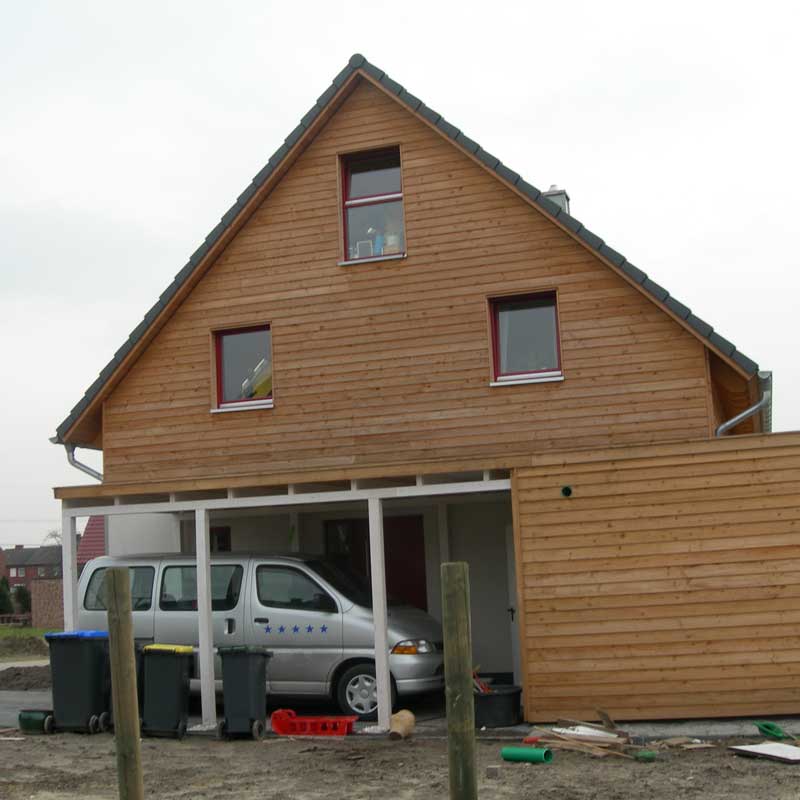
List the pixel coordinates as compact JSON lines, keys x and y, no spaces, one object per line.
{"x":746,"y":414}
{"x":70,"y":448}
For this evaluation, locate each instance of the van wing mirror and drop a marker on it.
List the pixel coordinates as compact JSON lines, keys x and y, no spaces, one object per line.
{"x":326,"y":603}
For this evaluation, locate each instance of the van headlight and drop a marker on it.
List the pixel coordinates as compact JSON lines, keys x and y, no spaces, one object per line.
{"x":413,"y":647}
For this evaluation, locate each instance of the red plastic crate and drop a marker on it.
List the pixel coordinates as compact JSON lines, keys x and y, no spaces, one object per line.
{"x":286,"y":723}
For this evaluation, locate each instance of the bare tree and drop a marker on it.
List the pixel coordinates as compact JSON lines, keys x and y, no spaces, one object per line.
{"x":53,"y":537}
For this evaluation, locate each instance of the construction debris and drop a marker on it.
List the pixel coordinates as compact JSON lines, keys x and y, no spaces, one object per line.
{"x":776,"y":751}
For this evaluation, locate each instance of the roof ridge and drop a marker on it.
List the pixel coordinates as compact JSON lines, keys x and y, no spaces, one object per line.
{"x":359,"y":62}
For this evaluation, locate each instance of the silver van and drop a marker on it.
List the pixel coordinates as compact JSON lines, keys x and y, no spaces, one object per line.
{"x":315,"y":617}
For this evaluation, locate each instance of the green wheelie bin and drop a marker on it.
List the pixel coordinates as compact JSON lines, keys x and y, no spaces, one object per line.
{"x":244,"y":678}
{"x":167,"y":670}
{"x":81,"y":681}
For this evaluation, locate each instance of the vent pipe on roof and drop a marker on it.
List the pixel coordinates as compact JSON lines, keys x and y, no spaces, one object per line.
{"x":558,"y":196}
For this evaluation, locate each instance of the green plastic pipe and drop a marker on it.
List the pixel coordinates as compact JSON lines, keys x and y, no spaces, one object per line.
{"x":538,"y":755}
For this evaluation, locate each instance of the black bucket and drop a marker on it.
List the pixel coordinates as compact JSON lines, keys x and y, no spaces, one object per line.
{"x":499,"y":708}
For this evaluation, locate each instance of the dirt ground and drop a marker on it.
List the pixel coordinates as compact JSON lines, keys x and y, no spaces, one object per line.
{"x":68,"y":766}
{"x":22,"y":645}
{"x":24,"y":679}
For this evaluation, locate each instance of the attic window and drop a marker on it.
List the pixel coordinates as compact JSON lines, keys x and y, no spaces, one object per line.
{"x":525,"y":341}
{"x":244,"y":368}
{"x":373,"y":205}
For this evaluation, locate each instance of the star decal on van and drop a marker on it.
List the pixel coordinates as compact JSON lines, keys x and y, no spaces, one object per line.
{"x":268,"y":629}
{"x":295,"y":629}
{"x":309,"y":628}
{"x":282,"y":629}
{"x":323,"y":629}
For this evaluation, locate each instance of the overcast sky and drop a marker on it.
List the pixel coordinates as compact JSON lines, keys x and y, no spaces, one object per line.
{"x":128,"y":130}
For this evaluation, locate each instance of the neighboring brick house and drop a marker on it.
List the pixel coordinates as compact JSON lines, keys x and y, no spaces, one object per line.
{"x":3,"y":568}
{"x":93,"y":541}
{"x":27,"y":564}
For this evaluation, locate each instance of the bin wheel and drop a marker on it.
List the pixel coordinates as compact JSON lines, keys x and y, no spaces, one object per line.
{"x":49,"y":724}
{"x":222,"y":730}
{"x":180,"y":732}
{"x":257,"y":729}
{"x":104,"y":721}
{"x":94,"y":724}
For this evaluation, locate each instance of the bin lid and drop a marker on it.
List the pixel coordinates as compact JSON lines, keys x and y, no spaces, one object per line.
{"x":244,"y":649}
{"x":76,"y":635}
{"x":180,"y":649}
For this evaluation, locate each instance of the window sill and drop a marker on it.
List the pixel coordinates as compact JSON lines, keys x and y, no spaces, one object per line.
{"x":392,"y":257}
{"x":250,"y":406}
{"x":550,"y":378}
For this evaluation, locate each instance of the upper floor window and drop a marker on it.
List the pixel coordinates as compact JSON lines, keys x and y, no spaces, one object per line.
{"x":41,"y":572}
{"x":525,"y":338}
{"x":21,"y":572}
{"x":373,"y":205}
{"x":244,"y":367}
{"x":12,"y":572}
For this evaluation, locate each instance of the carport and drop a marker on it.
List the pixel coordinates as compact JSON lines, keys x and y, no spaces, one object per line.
{"x":370,"y":494}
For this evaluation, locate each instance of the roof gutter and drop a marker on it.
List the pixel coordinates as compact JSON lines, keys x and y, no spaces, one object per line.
{"x":70,"y":449}
{"x":764,"y":405}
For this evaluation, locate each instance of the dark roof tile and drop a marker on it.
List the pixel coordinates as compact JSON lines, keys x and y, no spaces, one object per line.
{"x":659,"y":292}
{"x":412,"y":102}
{"x":393,"y":86}
{"x":677,"y":308}
{"x":445,"y":127}
{"x":612,"y":255}
{"x":467,"y":143}
{"x":721,"y":343}
{"x":528,"y":189}
{"x":592,"y":239}
{"x":507,"y":174}
{"x":634,"y":272}
{"x":700,"y":325}
{"x":429,"y":114}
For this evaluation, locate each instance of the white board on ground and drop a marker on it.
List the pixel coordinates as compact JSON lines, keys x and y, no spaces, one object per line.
{"x":775,"y":750}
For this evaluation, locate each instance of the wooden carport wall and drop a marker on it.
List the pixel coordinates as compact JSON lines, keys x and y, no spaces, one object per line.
{"x":666,"y":584}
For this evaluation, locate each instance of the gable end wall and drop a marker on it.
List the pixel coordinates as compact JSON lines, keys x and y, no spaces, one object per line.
{"x":389,"y":363}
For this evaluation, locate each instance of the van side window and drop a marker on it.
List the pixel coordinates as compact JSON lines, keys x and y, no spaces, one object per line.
{"x":141,"y":589}
{"x":284,"y":587}
{"x":179,"y":588}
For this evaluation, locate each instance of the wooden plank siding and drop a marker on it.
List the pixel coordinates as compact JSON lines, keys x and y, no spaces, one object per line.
{"x":388,"y":363}
{"x":667,"y":585}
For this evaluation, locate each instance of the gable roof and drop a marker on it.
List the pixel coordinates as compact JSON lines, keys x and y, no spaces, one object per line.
{"x":358,"y":64}
{"x":93,"y":541}
{"x":45,"y":555}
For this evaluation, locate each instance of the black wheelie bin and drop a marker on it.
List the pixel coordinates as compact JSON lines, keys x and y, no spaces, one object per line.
{"x":167,"y":670}
{"x":81,"y":681}
{"x":244,"y":677}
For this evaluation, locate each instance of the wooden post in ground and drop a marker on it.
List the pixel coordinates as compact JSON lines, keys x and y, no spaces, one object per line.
{"x":123,"y":684}
{"x":458,"y":681}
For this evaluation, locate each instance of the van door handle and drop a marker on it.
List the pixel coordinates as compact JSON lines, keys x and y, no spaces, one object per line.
{"x":230,"y":625}
{"x":261,"y":621}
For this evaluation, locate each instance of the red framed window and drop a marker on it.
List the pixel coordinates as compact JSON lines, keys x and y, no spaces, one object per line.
{"x":244,"y":365}
{"x":372,"y":205}
{"x":525,"y":341}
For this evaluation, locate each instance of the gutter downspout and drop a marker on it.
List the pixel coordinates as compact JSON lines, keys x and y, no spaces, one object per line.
{"x":765,"y":403}
{"x":70,"y":448}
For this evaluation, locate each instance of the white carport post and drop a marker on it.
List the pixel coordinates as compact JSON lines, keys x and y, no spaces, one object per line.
{"x":208,"y":700}
{"x":379,"y":613}
{"x":69,"y":570}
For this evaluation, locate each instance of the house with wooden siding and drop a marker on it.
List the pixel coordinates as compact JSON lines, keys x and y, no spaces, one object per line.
{"x":394,"y":351}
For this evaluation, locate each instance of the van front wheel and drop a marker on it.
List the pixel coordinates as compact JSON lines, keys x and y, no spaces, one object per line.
{"x":356,"y":692}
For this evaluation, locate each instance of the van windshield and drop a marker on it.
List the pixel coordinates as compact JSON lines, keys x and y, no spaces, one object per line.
{"x":348,"y":583}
